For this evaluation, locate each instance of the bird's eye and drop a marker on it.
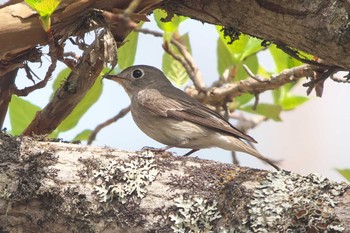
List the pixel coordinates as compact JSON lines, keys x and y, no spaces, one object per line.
{"x":137,"y":73}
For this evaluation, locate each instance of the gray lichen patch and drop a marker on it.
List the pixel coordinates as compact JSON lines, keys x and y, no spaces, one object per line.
{"x":194,"y":214}
{"x":294,"y":203}
{"x":9,"y":148}
{"x":121,"y":180}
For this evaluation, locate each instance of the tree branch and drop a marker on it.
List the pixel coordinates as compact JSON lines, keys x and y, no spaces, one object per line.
{"x":6,"y":82}
{"x":250,"y":85}
{"x":50,"y":70}
{"x":98,"y":128}
{"x":77,"y":84}
{"x":91,"y":189}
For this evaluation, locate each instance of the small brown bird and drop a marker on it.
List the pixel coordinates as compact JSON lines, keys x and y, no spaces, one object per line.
{"x":170,"y":116}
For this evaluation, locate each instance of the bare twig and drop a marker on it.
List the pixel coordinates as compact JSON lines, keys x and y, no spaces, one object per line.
{"x":244,"y":124}
{"x":191,"y":67}
{"x":98,"y":128}
{"x":187,"y":60}
{"x":250,"y":73}
{"x":256,"y":102}
{"x":132,"y":7}
{"x":317,"y":82}
{"x":344,"y":79}
{"x":52,"y":47}
{"x":68,"y":95}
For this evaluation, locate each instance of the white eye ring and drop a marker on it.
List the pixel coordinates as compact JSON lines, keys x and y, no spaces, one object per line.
{"x":137,"y":73}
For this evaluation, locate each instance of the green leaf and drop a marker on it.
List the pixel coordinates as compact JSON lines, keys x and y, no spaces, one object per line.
{"x":226,"y":60}
{"x":242,"y":48}
{"x":45,"y":8}
{"x":174,"y":69}
{"x":83,"y":136}
{"x":90,"y":98}
{"x":127,"y":52}
{"x":224,"y":57}
{"x":243,"y":99}
{"x":168,"y":27}
{"x":59,"y":80}
{"x":345,"y":173}
{"x":22,"y":112}
{"x":269,"y":110}
{"x":291,"y":102}
{"x":282,"y":60}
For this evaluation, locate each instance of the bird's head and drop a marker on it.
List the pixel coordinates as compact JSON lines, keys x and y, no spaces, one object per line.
{"x":140,"y":77}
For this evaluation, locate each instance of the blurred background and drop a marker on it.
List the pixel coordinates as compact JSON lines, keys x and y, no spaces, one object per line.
{"x":312,"y":138}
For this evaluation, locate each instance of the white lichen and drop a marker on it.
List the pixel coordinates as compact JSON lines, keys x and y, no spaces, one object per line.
{"x":119,"y":179}
{"x":288,"y":202}
{"x":194,"y":215}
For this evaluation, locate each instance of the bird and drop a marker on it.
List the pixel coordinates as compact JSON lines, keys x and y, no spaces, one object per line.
{"x":172,"y":117}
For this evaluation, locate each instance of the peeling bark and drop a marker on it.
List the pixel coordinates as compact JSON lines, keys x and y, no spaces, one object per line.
{"x":318,"y":27}
{"x":61,"y":187}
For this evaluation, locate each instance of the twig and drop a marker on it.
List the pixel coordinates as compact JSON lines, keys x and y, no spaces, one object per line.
{"x":68,"y":96}
{"x":191,"y":67}
{"x":317,"y":83}
{"x":52,"y":47}
{"x":121,"y":114}
{"x":256,"y":102}
{"x":177,"y":57}
{"x":246,"y":124}
{"x":250,"y":73}
{"x":344,"y":79}
{"x":132,"y":7}
{"x":187,"y":62}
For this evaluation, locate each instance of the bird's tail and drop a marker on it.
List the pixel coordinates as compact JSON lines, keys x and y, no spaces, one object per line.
{"x":236,"y":144}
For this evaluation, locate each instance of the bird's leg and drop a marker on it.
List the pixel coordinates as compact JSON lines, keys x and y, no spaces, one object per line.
{"x":266,"y":160}
{"x":191,"y":152}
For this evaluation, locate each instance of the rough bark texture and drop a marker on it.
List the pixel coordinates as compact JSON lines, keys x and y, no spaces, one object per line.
{"x":319,"y":27}
{"x":60,"y":187}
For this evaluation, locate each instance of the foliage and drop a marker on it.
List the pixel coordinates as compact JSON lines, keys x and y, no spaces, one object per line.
{"x":21,"y":113}
{"x":126,"y":53}
{"x":345,"y":173}
{"x":244,"y":50}
{"x":45,"y":9}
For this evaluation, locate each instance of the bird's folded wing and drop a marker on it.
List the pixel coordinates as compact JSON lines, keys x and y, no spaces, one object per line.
{"x":186,"y":108}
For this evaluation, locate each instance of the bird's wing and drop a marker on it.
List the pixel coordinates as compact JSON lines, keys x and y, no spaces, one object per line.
{"x":185,"y":107}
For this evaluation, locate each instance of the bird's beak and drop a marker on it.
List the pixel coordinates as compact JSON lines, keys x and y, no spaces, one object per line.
{"x":113,"y":77}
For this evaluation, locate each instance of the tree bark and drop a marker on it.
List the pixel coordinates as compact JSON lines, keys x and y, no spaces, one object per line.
{"x":320,"y":27}
{"x":60,"y":187}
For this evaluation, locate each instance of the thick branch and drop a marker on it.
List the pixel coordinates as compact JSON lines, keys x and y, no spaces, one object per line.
{"x":6,"y":82}
{"x":55,"y":187}
{"x":77,"y":84}
{"x":318,"y":27}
